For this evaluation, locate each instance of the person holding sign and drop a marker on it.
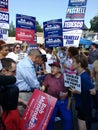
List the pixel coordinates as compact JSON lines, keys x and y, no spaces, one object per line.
{"x":26,"y":77}
{"x":54,"y":83}
{"x":83,"y":99}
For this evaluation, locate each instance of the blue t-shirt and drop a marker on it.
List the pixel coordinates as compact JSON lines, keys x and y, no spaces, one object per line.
{"x":85,"y":98}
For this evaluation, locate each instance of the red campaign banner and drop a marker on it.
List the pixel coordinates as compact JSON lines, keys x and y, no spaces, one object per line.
{"x":38,"y":112}
{"x":25,"y":35}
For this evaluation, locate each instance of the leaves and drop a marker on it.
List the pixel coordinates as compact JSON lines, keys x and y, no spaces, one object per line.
{"x":94,"y":24}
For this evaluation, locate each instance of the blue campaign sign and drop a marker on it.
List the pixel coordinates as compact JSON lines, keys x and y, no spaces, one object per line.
{"x":4,"y":5}
{"x":53,"y":27}
{"x":75,"y":12}
{"x":69,"y":24}
{"x":53,"y":42}
{"x":77,"y":2}
{"x":25,"y":22}
{"x":4,"y":20}
{"x":3,"y":34}
{"x":53,"y":31}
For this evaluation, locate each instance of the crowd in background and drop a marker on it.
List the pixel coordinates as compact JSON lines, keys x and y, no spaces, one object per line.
{"x":22,"y":70}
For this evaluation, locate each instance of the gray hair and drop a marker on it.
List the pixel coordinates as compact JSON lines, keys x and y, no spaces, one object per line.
{"x":34,"y":52}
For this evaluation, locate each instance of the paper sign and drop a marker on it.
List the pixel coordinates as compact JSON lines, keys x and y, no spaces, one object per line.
{"x":25,"y":35}
{"x":53,"y":33}
{"x":75,"y":12}
{"x":72,"y":81}
{"x":38,"y":112}
{"x":71,"y":37}
{"x":4,"y":20}
{"x":4,"y":5}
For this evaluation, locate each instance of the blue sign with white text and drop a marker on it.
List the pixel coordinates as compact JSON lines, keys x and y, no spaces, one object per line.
{"x":70,"y":24}
{"x":4,"y":20}
{"x":3,"y":34}
{"x":53,"y":33}
{"x":25,"y":22}
{"x":77,"y":2}
{"x":75,"y":12}
{"x":53,"y":42}
{"x":4,"y":5}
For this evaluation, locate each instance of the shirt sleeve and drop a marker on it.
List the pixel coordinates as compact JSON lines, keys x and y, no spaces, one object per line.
{"x":28,"y":78}
{"x":6,"y":80}
{"x":86,"y":83}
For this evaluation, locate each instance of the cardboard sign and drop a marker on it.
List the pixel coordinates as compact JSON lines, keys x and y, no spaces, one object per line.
{"x":71,"y":37}
{"x":26,"y":22}
{"x":72,"y":81}
{"x":4,"y":20}
{"x":53,"y":33}
{"x":3,"y":34}
{"x":4,"y":5}
{"x":25,"y":35}
{"x":73,"y":24}
{"x":38,"y":112}
{"x":75,"y":12}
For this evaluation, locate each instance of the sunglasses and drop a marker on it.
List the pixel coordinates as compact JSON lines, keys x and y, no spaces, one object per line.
{"x":17,"y":47}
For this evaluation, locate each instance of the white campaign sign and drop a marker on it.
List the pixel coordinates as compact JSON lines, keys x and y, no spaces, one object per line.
{"x":4,"y":20}
{"x":74,"y":24}
{"x":72,"y":81}
{"x":71,"y":37}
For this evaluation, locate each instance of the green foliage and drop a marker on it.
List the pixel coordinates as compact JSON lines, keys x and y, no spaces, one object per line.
{"x":38,"y":27}
{"x":94,"y":24}
{"x":11,"y":31}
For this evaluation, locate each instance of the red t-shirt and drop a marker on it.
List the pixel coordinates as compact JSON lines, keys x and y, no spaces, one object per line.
{"x":54,"y":85}
{"x":11,"y":119}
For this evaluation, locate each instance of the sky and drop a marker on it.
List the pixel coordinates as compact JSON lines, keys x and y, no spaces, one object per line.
{"x":45,"y":10}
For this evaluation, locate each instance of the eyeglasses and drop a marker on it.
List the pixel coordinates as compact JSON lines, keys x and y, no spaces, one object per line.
{"x":17,"y":47}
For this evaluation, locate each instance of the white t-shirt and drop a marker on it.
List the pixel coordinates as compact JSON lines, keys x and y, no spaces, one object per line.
{"x":13,"y":56}
{"x":50,"y":59}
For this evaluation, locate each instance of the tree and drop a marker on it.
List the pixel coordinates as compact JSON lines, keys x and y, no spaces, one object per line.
{"x":94,"y":24}
{"x":11,"y":30}
{"x":38,"y":27}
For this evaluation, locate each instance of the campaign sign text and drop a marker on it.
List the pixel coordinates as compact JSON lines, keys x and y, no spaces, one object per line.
{"x":72,"y":81}
{"x":38,"y":112}
{"x":4,"y":5}
{"x":53,"y":42}
{"x":25,"y":35}
{"x":75,"y":12}
{"x":4,"y":20}
{"x":69,"y":24}
{"x":71,"y":37}
{"x":77,"y":2}
{"x":26,"y":22}
{"x":53,"y":33}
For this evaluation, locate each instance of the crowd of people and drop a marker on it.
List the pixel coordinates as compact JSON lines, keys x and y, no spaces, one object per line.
{"x":22,"y":70}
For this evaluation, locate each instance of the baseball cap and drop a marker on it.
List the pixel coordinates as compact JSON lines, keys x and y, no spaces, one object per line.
{"x":57,"y":64}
